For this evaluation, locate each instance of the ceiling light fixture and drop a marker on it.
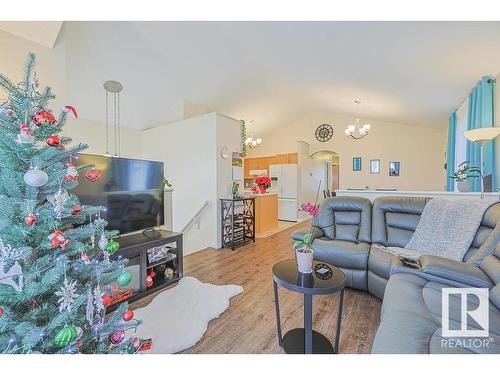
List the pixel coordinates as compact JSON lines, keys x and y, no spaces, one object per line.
{"x":114,"y":88}
{"x":253,"y":142}
{"x":357,"y":131}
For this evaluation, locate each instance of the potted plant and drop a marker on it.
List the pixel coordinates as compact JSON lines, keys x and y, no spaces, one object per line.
{"x":264,"y":183}
{"x":463,"y":174}
{"x":304,"y":252}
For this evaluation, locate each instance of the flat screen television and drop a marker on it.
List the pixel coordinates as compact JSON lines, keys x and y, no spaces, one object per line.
{"x":130,"y":189}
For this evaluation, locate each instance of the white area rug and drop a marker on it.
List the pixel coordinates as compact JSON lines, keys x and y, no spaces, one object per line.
{"x":177,"y":318}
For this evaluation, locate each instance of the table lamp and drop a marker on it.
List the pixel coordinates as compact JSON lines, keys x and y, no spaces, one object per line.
{"x":481,"y":136}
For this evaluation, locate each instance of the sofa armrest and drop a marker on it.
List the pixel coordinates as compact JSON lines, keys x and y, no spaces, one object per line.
{"x":298,"y":235}
{"x":448,"y":269}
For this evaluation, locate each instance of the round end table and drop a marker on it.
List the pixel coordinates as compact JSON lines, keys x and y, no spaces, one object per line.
{"x":325,"y":279}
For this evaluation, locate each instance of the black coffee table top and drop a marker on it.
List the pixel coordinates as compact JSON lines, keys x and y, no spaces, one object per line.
{"x":286,"y":275}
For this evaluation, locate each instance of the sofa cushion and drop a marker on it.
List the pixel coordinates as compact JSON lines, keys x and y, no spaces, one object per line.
{"x":395,"y":219}
{"x":346,"y":218}
{"x":379,"y":261}
{"x":344,"y":254}
{"x":411,"y":319}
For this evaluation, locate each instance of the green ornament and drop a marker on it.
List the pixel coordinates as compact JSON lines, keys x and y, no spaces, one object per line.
{"x":66,"y":335}
{"x":112,"y":247}
{"x":124,"y":278}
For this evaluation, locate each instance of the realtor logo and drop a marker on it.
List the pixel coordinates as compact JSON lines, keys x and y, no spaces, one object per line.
{"x":475,"y":299}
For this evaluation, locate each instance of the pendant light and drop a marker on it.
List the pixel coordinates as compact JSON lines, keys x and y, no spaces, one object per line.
{"x":356,"y":131}
{"x":114,"y":88}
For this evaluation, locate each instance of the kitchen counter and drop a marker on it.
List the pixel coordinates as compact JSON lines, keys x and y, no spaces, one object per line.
{"x":266,"y":211}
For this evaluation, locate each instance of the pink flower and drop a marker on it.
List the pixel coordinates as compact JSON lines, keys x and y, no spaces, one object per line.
{"x":309,"y":208}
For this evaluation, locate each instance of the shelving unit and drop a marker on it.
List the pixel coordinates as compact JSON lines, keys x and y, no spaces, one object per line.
{"x":237,"y":221}
{"x":135,"y":248}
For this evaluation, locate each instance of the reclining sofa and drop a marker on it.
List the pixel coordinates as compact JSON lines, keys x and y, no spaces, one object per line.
{"x":351,"y":233}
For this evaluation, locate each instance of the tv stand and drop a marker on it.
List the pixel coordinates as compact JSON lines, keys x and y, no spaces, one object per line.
{"x":135,"y":248}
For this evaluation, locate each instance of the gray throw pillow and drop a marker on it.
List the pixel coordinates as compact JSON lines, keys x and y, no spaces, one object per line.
{"x":487,"y":248}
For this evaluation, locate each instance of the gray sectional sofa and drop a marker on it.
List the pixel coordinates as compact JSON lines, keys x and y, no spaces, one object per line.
{"x":350,"y":232}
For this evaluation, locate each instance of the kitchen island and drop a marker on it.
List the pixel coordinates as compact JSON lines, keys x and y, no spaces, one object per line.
{"x":266,"y":211}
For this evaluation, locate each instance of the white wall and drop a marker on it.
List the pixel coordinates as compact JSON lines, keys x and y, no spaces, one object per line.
{"x":312,"y":171}
{"x":420,"y":150}
{"x":188,"y":150}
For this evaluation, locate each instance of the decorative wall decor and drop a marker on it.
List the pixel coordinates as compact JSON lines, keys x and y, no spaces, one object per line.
{"x":224,"y":153}
{"x":356,"y":164}
{"x":243,"y":131}
{"x":374,"y":166}
{"x":324,"y":132}
{"x":394,"y":168}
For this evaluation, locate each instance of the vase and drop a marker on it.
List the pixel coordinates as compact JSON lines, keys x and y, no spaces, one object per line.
{"x":304,"y":260}
{"x":463,"y":186}
{"x":262,"y":189}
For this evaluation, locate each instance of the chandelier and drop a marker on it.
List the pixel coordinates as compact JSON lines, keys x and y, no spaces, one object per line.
{"x":253,"y":142}
{"x":357,"y":131}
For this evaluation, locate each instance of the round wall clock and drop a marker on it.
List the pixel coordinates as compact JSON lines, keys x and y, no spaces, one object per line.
{"x":324,"y":132}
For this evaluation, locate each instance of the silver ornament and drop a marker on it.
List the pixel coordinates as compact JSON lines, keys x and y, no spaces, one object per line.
{"x":58,"y":200}
{"x":67,"y":295}
{"x":103,"y":242}
{"x":36,"y":177}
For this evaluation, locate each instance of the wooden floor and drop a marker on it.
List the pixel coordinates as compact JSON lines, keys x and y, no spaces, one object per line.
{"x":249,"y":325}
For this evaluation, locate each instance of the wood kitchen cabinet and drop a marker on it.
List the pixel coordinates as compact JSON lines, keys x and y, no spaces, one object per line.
{"x":263,"y":162}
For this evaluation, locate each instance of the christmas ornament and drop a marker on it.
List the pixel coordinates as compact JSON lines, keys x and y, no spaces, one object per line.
{"x":149,"y":279}
{"x":44,"y":117}
{"x":124,"y":279}
{"x":103,"y":242}
{"x":105,"y":257}
{"x":30,"y":220}
{"x":66,"y":336}
{"x":89,"y":307}
{"x":71,"y":173}
{"x":9,"y":112}
{"x":1,"y":313}
{"x":57,"y":239}
{"x":62,"y":148}
{"x":76,"y":210}
{"x":67,"y":295}
{"x":112,"y":247}
{"x":93,"y":175}
{"x":53,"y":141}
{"x":7,"y":255}
{"x":169,"y":273}
{"x":36,"y":177}
{"x":85,"y":258}
{"x":106,"y":300}
{"x":117,"y":336}
{"x":25,"y":135}
{"x":69,"y":108}
{"x":127,"y":315}
{"x":58,"y":200}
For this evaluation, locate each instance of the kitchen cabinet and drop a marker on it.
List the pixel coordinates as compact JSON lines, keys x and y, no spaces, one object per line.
{"x":263,"y":162}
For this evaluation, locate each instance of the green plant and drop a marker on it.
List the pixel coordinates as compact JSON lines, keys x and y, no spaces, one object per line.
{"x":305,"y":244}
{"x":465,"y":172}
{"x":243,"y":130}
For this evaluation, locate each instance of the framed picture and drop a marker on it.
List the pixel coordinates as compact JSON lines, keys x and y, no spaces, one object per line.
{"x":394,"y":168}
{"x":356,"y":164}
{"x":375,"y":166}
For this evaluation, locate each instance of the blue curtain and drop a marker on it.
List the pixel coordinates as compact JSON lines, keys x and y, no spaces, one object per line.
{"x":481,"y":116}
{"x":450,"y":154}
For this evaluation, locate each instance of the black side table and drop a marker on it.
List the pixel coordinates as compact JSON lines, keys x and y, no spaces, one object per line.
{"x":320,"y":281}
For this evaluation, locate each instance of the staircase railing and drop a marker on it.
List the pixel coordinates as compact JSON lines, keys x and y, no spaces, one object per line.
{"x":196,"y":217}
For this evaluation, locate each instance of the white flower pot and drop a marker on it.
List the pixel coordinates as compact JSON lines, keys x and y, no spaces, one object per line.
{"x":304,"y":261}
{"x":463,"y":186}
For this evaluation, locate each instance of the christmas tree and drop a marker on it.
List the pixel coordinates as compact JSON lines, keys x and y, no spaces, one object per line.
{"x":55,"y":267}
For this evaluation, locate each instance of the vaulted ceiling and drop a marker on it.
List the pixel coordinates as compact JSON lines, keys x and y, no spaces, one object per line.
{"x":274,"y":72}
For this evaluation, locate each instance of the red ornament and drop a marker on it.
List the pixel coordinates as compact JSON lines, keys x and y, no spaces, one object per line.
{"x":93,"y":175}
{"x":85,"y":258}
{"x":44,"y":117}
{"x":53,"y":141}
{"x":69,"y":108}
{"x":76,"y":210}
{"x":57,"y":239}
{"x":149,"y":279}
{"x":71,"y":173}
{"x":30,"y":220}
{"x":106,"y":300}
{"x":117,"y":336}
{"x":1,"y":312}
{"x":9,"y":112}
{"x":127,"y":315}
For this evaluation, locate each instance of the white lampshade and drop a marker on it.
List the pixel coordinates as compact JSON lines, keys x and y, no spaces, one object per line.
{"x":362,"y":131}
{"x":347,"y":132}
{"x":259,"y":141}
{"x":482,"y":135}
{"x":351,"y":128}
